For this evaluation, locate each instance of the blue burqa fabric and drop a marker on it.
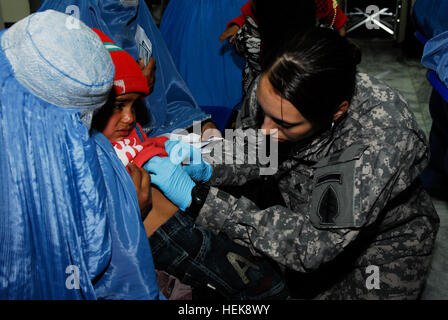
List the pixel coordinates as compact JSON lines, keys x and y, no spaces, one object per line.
{"x":70,"y":224}
{"x":131,"y":271}
{"x":212,"y":70}
{"x":435,"y":56}
{"x":171,"y":105}
{"x":431,"y":17}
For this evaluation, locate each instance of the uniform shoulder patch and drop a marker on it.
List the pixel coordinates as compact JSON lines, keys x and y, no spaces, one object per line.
{"x":328,"y":207}
{"x":333,"y":195}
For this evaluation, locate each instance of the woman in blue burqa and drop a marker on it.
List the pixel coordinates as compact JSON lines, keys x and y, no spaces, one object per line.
{"x":211,"y":69}
{"x":171,"y":105}
{"x":70,"y":223}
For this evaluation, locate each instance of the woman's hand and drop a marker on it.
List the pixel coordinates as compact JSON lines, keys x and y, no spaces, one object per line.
{"x":209,"y":130}
{"x":142,"y":183}
{"x":149,"y":71}
{"x":229,"y":33}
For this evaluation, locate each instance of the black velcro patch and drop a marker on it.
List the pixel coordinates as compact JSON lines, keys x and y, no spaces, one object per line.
{"x":333,"y":199}
{"x":335,"y":177}
{"x":328,"y":207}
{"x":222,"y":195}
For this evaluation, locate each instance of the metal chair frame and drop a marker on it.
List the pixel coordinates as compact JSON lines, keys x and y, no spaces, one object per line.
{"x":387,"y":19}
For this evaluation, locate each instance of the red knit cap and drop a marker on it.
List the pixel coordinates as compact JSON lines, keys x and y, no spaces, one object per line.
{"x":128,"y":76}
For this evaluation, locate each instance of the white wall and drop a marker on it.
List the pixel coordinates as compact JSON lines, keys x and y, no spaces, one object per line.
{"x":2,"y":26}
{"x":14,"y":10}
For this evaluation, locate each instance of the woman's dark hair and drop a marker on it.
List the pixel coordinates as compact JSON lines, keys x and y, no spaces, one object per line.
{"x":316,"y":72}
{"x":279,"y":21}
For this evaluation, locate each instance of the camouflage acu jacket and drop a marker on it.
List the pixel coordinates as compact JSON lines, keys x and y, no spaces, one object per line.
{"x":355,"y":183}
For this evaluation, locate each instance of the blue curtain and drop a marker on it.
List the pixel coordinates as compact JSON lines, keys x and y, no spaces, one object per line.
{"x":431,"y":17}
{"x":63,"y":210}
{"x":171,"y":104}
{"x":212,"y":70}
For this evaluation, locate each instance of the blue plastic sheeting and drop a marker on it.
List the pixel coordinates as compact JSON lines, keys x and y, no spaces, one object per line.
{"x":69,"y":225}
{"x":171,"y":104}
{"x":212,"y":70}
{"x":435,"y":56}
{"x":431,"y":17}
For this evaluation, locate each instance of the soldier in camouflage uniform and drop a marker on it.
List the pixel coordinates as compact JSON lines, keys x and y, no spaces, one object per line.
{"x":356,"y":223}
{"x":369,"y":164}
{"x":353,"y":191}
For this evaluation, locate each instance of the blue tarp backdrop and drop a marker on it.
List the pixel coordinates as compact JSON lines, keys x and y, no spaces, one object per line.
{"x":171,"y":104}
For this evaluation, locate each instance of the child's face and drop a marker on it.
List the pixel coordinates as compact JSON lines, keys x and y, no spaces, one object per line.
{"x":122,"y":120}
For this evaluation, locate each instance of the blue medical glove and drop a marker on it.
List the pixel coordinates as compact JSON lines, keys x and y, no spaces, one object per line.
{"x":196,"y":167}
{"x":171,"y":179}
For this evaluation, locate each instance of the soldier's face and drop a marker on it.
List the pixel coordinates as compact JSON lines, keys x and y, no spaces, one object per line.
{"x":281,"y":119}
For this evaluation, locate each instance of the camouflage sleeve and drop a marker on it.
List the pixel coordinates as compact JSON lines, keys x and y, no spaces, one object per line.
{"x":362,"y":181}
{"x":240,"y":157}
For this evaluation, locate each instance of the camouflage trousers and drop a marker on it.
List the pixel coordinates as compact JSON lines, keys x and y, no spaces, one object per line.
{"x":402,"y":279}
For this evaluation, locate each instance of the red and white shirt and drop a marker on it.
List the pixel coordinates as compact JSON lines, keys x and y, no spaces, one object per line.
{"x":133,"y":149}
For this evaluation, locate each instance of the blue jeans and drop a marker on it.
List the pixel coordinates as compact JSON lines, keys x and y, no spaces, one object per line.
{"x":200,"y":258}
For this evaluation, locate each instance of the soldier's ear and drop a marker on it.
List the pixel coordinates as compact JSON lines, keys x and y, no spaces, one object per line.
{"x":343,"y":107}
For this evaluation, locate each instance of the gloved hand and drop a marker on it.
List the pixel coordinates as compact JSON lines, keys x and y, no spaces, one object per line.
{"x":196,"y":167}
{"x":171,"y":179}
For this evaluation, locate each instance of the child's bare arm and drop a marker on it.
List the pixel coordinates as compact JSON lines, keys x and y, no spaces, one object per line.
{"x":162,"y":210}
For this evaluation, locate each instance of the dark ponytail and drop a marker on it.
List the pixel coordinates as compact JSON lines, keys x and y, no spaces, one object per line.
{"x":316,"y":72}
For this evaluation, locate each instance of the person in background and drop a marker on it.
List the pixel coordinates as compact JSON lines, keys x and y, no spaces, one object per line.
{"x":327,"y":11}
{"x":263,"y":28}
{"x":212,"y":70}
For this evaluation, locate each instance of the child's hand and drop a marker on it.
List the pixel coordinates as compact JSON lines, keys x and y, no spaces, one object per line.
{"x":229,"y":33}
{"x":209,"y":130}
{"x":142,"y":183}
{"x":149,"y":71}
